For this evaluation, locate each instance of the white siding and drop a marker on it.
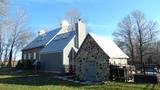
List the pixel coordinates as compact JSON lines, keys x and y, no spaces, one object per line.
{"x":81,"y":33}
{"x":118,"y":61}
{"x":66,"y":52}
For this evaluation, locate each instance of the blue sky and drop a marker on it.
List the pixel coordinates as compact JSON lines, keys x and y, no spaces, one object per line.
{"x":101,"y":16}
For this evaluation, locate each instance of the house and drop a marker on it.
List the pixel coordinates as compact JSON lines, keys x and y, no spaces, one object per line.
{"x":95,"y":56}
{"x":32,"y":50}
{"x":56,"y":49}
{"x":70,"y":49}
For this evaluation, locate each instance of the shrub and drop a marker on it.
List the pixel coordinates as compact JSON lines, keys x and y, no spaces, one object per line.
{"x":25,"y":64}
{"x":145,"y":78}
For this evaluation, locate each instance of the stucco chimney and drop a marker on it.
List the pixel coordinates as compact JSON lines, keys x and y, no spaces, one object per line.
{"x":80,"y":33}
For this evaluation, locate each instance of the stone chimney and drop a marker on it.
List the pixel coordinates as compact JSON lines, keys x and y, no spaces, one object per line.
{"x":80,"y":33}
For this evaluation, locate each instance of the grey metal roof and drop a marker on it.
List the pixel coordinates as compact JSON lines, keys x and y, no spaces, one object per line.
{"x":42,"y":40}
{"x":59,"y":42}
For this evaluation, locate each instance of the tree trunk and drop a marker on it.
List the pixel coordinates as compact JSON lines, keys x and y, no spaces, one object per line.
{"x":10,"y":56}
{"x":132,"y":47}
{"x":0,"y":44}
{"x":141,"y":51}
{"x":6,"y":54}
{"x":132,"y":56}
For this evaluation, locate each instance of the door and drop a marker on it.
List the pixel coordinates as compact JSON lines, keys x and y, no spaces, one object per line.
{"x":90,"y":71}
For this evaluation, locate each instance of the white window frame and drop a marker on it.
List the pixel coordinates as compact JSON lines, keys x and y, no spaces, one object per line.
{"x":34,"y":55}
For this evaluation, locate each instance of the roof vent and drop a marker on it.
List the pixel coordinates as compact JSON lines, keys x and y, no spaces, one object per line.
{"x":41,"y":33}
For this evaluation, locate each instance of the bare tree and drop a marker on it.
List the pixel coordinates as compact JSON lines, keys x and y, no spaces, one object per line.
{"x":145,"y":32}
{"x":25,"y":37}
{"x":125,"y":35}
{"x":3,"y":7}
{"x":18,"y":28}
{"x":3,"y":12}
{"x":138,"y":35}
{"x":14,"y":31}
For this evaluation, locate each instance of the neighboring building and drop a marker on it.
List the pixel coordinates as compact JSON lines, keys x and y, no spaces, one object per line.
{"x":56,"y":49}
{"x":95,"y":56}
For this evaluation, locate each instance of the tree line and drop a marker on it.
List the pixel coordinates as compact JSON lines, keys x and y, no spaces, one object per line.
{"x":138,"y":37}
{"x":14,"y":31}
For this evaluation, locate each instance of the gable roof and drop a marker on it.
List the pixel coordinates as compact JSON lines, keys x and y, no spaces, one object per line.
{"x":59,"y":42}
{"x":42,"y":40}
{"x":108,"y":46}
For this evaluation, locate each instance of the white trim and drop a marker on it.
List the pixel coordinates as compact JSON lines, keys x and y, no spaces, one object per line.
{"x":66,"y":47}
{"x":51,"y":52}
{"x":69,"y":42}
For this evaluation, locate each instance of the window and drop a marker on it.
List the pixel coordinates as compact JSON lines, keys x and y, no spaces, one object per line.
{"x":29,"y":56}
{"x":34,"y":55}
{"x":24,"y":56}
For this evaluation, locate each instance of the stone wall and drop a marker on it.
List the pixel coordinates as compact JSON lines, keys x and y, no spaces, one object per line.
{"x":90,"y":51}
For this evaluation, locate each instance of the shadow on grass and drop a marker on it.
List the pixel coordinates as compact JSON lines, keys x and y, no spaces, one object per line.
{"x":149,"y":86}
{"x":33,"y":79}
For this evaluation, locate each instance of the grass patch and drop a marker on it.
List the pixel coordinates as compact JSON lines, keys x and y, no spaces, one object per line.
{"x":10,"y":79}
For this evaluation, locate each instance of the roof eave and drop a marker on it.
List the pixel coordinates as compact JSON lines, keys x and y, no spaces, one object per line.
{"x":25,"y":49}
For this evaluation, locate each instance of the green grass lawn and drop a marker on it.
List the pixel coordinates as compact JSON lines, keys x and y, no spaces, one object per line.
{"x":26,"y":80}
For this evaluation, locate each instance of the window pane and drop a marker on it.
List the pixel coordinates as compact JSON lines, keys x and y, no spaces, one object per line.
{"x":34,"y":55}
{"x":29,"y":56}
